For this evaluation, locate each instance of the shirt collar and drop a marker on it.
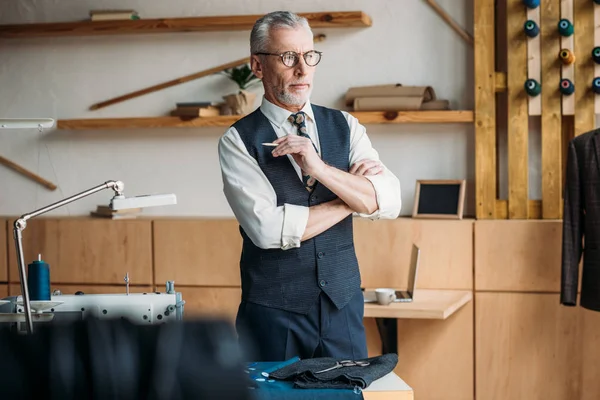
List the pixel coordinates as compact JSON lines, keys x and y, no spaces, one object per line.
{"x":278,"y":115}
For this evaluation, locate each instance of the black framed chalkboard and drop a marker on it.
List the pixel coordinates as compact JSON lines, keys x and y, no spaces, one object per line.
{"x":439,"y":199}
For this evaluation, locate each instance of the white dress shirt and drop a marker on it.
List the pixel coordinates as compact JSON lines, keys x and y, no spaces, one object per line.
{"x":254,"y":201}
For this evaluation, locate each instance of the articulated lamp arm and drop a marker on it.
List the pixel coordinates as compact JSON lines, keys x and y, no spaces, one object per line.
{"x":21,"y":223}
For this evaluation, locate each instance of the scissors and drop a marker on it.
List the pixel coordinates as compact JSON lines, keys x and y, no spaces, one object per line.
{"x":345,"y":363}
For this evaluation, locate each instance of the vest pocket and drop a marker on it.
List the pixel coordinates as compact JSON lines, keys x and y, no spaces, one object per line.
{"x":345,"y":246}
{"x":279,"y":255}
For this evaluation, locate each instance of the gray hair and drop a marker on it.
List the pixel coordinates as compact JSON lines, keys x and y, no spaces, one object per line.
{"x":259,"y":37}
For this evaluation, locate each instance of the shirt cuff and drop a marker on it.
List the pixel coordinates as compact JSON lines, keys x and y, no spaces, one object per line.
{"x":387,"y":196}
{"x":295,"y":219}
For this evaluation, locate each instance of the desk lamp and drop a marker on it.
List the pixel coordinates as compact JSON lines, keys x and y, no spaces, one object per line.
{"x":118,"y":202}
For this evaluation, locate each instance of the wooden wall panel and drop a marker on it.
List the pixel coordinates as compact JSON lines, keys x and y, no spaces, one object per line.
{"x":4,"y":248}
{"x":528,"y":346}
{"x":87,"y":250}
{"x":518,"y":255}
{"x":207,"y":252}
{"x":211,"y":302}
{"x":3,"y":290}
{"x":589,"y":343}
{"x":384,"y":247}
{"x":435,"y":356}
{"x":197,"y":251}
{"x":15,"y":289}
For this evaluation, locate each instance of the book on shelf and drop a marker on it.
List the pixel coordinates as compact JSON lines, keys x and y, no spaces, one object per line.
{"x":196,"y":110}
{"x":104,"y":211}
{"x":110,"y":15}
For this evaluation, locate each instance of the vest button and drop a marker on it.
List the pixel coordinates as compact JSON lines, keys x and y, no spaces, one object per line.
{"x":320,"y":254}
{"x":322,"y":282}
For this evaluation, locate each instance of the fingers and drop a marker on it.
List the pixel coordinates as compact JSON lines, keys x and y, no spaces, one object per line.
{"x":291,"y":144}
{"x":366,"y":167}
{"x":373,"y":171}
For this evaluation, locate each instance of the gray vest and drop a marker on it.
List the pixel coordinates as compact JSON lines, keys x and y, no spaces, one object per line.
{"x":293,"y":279}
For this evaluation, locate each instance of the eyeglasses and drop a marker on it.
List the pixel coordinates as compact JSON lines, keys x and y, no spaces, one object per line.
{"x":291,"y":58}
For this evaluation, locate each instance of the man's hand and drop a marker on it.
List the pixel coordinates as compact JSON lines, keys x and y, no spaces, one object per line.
{"x":366,"y":167}
{"x":303,"y":152}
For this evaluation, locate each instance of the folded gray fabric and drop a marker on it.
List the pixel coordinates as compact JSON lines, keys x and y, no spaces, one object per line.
{"x":304,"y":372}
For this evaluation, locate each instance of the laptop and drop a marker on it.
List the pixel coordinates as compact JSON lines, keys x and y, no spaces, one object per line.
{"x":403,"y":296}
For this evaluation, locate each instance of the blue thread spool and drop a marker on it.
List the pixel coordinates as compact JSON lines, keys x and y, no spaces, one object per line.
{"x":596,"y":85}
{"x":38,"y":280}
{"x":531,"y":3}
{"x":565,"y":27}
{"x":596,"y":54}
{"x":531,"y":28}
{"x":567,"y":87}
{"x":533,"y":87}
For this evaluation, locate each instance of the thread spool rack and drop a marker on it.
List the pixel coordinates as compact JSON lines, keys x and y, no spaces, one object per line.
{"x":536,"y":62}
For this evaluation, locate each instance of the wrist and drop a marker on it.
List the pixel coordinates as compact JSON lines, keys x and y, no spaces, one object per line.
{"x":320,"y":171}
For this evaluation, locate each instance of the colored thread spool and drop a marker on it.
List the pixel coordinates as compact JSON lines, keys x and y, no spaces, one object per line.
{"x":531,"y":3}
{"x":532,"y":87}
{"x":567,"y":56}
{"x":38,"y":280}
{"x":596,"y":85}
{"x":596,"y":54}
{"x":565,"y":27}
{"x":567,"y":87}
{"x":531,"y":28}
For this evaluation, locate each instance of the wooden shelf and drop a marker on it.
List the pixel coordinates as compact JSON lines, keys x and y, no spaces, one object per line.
{"x":374,"y":117}
{"x":345,"y":19}
{"x":427,"y":304}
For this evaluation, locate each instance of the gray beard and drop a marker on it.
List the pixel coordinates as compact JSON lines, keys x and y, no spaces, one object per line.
{"x":291,"y":99}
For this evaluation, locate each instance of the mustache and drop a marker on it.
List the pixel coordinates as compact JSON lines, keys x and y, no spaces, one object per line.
{"x":298,"y":83}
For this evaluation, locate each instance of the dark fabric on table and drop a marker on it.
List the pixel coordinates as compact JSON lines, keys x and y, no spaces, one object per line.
{"x":302,"y":373}
{"x":264,"y":388}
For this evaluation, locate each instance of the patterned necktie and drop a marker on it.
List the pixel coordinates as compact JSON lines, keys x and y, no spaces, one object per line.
{"x":299,"y":120}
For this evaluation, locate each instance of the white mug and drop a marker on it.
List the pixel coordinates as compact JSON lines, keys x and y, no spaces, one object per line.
{"x":385,"y":296}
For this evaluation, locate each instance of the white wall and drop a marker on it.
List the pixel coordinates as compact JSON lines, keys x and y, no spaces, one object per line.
{"x":62,"y":77}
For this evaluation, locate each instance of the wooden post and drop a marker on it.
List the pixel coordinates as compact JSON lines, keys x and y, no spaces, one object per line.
{"x":567,"y":43}
{"x":485,"y":106}
{"x":518,"y":116}
{"x":585,"y":117}
{"x":551,"y":111}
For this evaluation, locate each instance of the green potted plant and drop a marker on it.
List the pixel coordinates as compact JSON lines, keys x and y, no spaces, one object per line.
{"x":241,"y":103}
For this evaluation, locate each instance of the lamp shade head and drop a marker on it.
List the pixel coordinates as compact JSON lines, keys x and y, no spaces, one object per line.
{"x":120,"y":202}
{"x":26,"y":123}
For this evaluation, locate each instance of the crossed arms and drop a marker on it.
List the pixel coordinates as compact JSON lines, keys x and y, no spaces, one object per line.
{"x":368,"y":189}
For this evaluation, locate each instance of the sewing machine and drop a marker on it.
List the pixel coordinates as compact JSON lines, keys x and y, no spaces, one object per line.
{"x":141,"y":308}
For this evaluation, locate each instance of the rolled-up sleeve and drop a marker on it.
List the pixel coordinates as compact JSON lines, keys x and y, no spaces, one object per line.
{"x":386,"y":184}
{"x":254,"y":201}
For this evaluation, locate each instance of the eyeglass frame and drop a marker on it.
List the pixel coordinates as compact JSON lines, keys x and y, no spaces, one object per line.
{"x":281,"y":55}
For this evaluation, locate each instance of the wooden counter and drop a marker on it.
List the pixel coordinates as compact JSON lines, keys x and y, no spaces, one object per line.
{"x":427,"y":304}
{"x":390,"y":387}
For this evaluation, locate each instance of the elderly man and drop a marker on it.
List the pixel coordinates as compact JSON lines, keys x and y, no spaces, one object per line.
{"x":294,"y":201}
